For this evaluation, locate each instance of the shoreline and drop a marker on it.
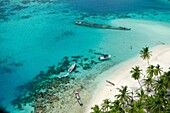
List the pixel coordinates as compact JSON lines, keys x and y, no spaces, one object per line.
{"x":97,"y":89}
{"x":120,"y":75}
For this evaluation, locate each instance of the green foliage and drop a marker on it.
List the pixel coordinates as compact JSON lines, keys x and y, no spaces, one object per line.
{"x":124,"y":95}
{"x":152,"y":97}
{"x":136,"y":73}
{"x":96,"y":109}
{"x":150,"y":70}
{"x":145,"y":54}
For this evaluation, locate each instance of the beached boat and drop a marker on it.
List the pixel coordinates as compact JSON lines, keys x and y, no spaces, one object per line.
{"x":105,"y":57}
{"x":72,"y":68}
{"x":102,"y":26}
{"x":77,"y":96}
{"x":110,"y":82}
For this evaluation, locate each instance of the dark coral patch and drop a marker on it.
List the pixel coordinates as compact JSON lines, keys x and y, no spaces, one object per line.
{"x":93,"y":62}
{"x":16,"y":64}
{"x":2,"y":10}
{"x":64,"y":65}
{"x":25,"y":17}
{"x":4,"y":60}
{"x":25,"y":2}
{"x":5,"y":69}
{"x":67,"y":33}
{"x":1,"y":4}
{"x":52,"y":13}
{"x":18,"y":8}
{"x":76,"y":57}
{"x":64,"y":35}
{"x":7,"y":1}
{"x":4,"y":2}
{"x":94,"y":52}
{"x":85,"y":59}
{"x":74,"y":60}
{"x":65,"y":11}
{"x":4,"y":17}
{"x":42,"y":1}
{"x":86,"y":66}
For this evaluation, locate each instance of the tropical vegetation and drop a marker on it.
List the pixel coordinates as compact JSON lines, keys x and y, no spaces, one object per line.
{"x":152,"y":97}
{"x":145,"y":54}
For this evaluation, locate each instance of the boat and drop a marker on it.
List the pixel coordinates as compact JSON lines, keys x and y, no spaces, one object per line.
{"x":110,"y":82}
{"x":77,"y":96}
{"x":101,"y":26}
{"x":69,"y":70}
{"x":72,"y":68}
{"x":105,"y":57}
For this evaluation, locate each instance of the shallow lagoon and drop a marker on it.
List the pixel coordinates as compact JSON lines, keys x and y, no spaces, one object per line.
{"x":37,"y":34}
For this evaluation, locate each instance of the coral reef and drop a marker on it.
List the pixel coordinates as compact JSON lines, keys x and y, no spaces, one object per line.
{"x":64,"y":35}
{"x":25,"y":2}
{"x":26,"y":17}
{"x":5,"y":69}
{"x":8,"y":64}
{"x":18,"y":8}
{"x":44,"y":92}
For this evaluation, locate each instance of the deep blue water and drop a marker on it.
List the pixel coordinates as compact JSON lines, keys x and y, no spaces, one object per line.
{"x":116,"y":6}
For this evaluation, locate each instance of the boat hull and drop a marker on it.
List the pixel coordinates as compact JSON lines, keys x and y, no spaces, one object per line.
{"x":104,"y":58}
{"x":101,"y":26}
{"x":72,"y":68}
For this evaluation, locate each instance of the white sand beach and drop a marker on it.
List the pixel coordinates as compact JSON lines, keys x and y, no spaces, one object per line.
{"x":152,"y":27}
{"x":120,"y":75}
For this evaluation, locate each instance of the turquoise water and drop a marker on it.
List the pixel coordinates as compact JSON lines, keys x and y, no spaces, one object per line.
{"x":37,"y":34}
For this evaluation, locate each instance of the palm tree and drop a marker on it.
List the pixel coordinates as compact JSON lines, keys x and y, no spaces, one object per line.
{"x":141,"y":95}
{"x":124,"y":95}
{"x":159,"y":84}
{"x":135,"y":107}
{"x":150,"y":70}
{"x":166,"y":75}
{"x":148,"y":82}
{"x":136,"y":72}
{"x":158,"y":70}
{"x":116,"y":107}
{"x":106,"y":105}
{"x":96,"y":109}
{"x":145,"y":54}
{"x":132,"y":97}
{"x":163,"y":94}
{"x":157,"y":105}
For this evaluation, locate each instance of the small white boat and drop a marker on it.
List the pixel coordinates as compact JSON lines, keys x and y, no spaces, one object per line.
{"x":72,"y":67}
{"x":105,"y":57}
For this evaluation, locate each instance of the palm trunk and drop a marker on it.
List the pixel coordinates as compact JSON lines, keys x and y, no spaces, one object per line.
{"x":148,"y":61}
{"x":139,"y":83}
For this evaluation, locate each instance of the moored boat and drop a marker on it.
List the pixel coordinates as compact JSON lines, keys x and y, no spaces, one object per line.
{"x":72,"y":68}
{"x":105,"y":57}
